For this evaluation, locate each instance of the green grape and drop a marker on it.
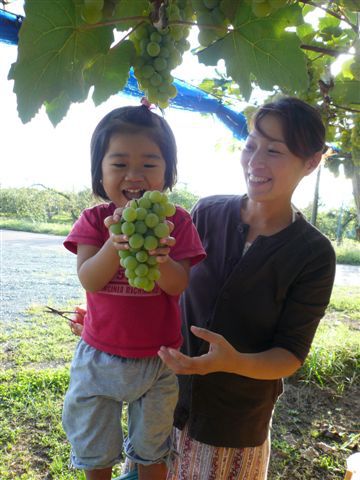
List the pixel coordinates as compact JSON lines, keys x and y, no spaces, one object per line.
{"x":155,"y":37}
{"x":148,"y":71}
{"x":144,"y":203}
{"x":90,"y":15}
{"x":169,"y":209}
{"x":150,"y":243}
{"x":151,"y":261}
{"x":141,"y":270}
{"x":155,"y":196}
{"x":129,"y":214}
{"x":162,"y":230}
{"x":142,"y":256}
{"x":130,"y":263}
{"x":140,"y":227}
{"x":130,"y":273}
{"x":153,"y":274}
{"x":149,"y":285}
{"x":116,"y":229}
{"x":206,"y":37}
{"x":136,"y":240}
{"x":156,"y":79}
{"x":124,"y":253}
{"x":128,"y":228}
{"x":160,"y":64}
{"x":159,"y":210}
{"x":153,"y":49}
{"x":151,"y":220}
{"x":140,"y":282}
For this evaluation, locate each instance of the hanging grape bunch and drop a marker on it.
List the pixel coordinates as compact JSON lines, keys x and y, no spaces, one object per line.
{"x":158,"y":51}
{"x":94,"y":11}
{"x":263,"y":8}
{"x":211,"y":20}
{"x":144,"y":222}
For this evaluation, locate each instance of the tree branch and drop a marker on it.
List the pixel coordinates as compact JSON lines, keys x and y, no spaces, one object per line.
{"x":341,"y":17}
{"x":347,"y":109}
{"x":327,"y":51}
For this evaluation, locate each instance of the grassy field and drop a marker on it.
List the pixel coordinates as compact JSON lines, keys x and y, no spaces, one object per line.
{"x":314,"y":426}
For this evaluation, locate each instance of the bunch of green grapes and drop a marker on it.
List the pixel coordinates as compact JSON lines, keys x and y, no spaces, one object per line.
{"x":263,"y":8}
{"x":144,"y":222}
{"x":211,"y":20}
{"x":94,"y":11}
{"x":158,"y":52}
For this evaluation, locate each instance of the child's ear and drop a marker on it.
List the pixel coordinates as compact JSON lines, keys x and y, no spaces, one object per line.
{"x":313,"y":162}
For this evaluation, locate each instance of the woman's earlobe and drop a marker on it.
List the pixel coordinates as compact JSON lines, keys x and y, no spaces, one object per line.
{"x":313,"y":162}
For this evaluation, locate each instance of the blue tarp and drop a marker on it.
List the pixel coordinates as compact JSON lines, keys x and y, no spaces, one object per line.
{"x":188,"y":97}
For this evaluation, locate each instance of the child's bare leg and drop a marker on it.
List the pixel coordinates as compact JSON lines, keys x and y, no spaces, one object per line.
{"x":100,"y":474}
{"x":156,"y":471}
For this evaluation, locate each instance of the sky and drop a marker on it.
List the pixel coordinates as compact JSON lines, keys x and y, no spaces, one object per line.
{"x":37,"y":153}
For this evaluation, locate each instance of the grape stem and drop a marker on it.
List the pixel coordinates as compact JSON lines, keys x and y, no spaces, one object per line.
{"x":112,"y":22}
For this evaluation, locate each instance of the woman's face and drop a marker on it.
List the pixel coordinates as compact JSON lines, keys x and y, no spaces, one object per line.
{"x":271,"y":171}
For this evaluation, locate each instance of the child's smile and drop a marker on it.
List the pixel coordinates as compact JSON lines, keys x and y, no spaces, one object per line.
{"x":132,"y":165}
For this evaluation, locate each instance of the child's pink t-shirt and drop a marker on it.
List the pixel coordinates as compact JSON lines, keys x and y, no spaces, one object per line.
{"x":127,"y":321}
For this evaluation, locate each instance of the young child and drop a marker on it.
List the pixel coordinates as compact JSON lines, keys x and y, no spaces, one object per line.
{"x":133,"y":150}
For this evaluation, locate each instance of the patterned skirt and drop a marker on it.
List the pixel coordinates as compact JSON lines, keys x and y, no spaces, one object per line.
{"x":198,"y":461}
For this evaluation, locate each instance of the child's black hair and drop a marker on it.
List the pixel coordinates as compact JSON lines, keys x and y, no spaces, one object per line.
{"x":132,"y":120}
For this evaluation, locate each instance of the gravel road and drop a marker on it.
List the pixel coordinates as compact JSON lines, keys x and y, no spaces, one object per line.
{"x":37,"y":269}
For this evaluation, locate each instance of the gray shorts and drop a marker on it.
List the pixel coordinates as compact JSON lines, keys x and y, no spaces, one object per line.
{"x":99,"y":384}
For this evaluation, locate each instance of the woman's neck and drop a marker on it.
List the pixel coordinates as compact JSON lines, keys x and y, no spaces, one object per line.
{"x":265,"y":218}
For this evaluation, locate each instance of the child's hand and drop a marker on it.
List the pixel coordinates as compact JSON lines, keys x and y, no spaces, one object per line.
{"x":162,"y":252}
{"x":119,"y":241}
{"x":77,"y":321}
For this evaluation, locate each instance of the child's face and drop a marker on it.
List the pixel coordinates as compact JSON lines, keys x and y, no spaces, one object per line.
{"x":132,"y":164}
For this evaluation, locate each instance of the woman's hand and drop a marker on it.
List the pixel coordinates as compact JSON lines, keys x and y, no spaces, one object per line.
{"x":220,"y":357}
{"x":76,"y":323}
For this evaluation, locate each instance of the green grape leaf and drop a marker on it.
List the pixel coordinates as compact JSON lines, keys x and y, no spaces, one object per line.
{"x":58,"y":107}
{"x":55,"y":46}
{"x":109,"y":72}
{"x":229,"y":7}
{"x":346,"y":92}
{"x":256,"y":48}
{"x":130,"y":8}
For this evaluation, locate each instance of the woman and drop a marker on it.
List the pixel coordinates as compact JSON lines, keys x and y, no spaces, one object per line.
{"x":252,"y":306}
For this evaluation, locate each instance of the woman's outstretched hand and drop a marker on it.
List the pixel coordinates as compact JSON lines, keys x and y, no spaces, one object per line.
{"x":220,"y":357}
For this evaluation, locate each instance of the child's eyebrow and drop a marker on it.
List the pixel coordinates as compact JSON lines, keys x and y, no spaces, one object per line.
{"x":118,"y":154}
